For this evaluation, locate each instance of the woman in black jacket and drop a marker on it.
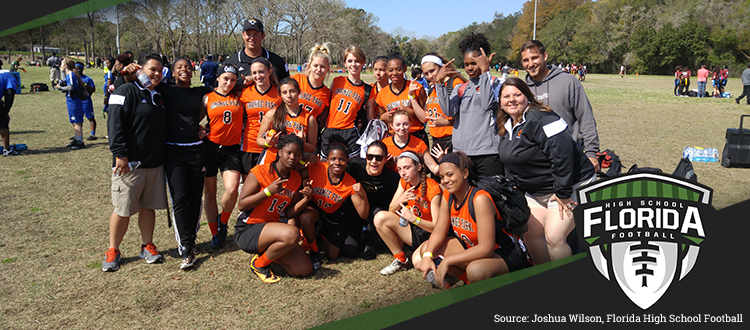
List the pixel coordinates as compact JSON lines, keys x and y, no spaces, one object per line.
{"x":542,"y":160}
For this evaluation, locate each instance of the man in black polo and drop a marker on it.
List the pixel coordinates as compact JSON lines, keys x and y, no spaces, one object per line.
{"x":253,"y":35}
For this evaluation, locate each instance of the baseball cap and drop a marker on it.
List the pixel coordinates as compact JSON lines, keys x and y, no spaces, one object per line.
{"x":254,"y":24}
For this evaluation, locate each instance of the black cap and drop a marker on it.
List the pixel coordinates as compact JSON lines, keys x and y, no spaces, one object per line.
{"x":209,"y":57}
{"x":254,"y":24}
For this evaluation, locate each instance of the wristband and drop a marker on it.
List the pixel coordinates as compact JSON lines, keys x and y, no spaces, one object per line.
{"x":268,"y":193}
{"x":416,"y":222}
{"x":302,"y":162}
{"x":266,"y":144}
{"x":427,"y":255}
{"x":411,"y":97}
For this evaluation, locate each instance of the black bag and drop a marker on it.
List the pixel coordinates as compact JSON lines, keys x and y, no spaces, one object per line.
{"x":635,"y":168}
{"x":685,"y":170}
{"x":360,"y":122}
{"x":81,"y":92}
{"x":737,"y":147}
{"x":610,"y":161}
{"x":510,"y":202}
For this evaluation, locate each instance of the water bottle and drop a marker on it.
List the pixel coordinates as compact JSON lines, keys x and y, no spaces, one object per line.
{"x":143,"y":78}
{"x":431,"y":278}
{"x":403,"y":222}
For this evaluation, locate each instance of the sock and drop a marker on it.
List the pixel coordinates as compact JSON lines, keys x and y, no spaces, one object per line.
{"x":79,"y":138}
{"x":464,"y":278}
{"x":313,"y":245}
{"x":401,"y":257}
{"x":262,"y":261}
{"x":225,"y":217}
{"x":93,"y":133}
{"x":214,"y":227}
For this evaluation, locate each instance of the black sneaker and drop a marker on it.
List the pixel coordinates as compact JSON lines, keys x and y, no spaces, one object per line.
{"x":369,"y":253}
{"x":221,"y":234}
{"x":71,"y":143}
{"x":77,"y":145}
{"x":92,"y":138}
{"x":315,"y":259}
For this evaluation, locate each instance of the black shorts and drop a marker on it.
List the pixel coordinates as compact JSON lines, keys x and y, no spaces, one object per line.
{"x":247,"y":235}
{"x":248,"y":160}
{"x":513,"y":255}
{"x":348,"y":137}
{"x":224,"y":158}
{"x":339,"y":226}
{"x":488,"y":165}
{"x":445,"y":142}
{"x":422,"y":135}
{"x":4,"y":118}
{"x":418,"y":235}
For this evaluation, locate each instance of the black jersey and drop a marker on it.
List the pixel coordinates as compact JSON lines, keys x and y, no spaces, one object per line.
{"x":380,"y":189}
{"x":242,"y":61}
{"x":183,"y":112}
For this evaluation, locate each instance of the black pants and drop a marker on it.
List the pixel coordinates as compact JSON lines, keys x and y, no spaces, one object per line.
{"x":184,"y":167}
{"x":488,"y":165}
{"x":745,"y":92}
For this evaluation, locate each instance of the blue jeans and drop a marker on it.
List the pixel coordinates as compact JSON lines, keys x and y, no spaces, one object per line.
{"x":701,"y":88}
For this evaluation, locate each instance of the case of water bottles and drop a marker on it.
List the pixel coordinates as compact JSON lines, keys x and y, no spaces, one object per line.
{"x":698,"y":154}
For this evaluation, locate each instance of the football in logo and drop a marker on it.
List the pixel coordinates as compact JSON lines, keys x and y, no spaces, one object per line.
{"x":644,"y":230}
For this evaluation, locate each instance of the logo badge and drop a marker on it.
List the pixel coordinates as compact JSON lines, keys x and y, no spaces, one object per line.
{"x":644,"y":230}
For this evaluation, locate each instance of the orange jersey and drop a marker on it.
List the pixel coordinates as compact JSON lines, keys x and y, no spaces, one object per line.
{"x":347,"y":99}
{"x":294,"y":125}
{"x":432,"y":107}
{"x":256,"y":105}
{"x":420,"y":206}
{"x":463,"y":225}
{"x":313,"y":100}
{"x":327,"y":196}
{"x":413,"y":144}
{"x":271,"y":209}
{"x":225,"y":118}
{"x":390,"y":101}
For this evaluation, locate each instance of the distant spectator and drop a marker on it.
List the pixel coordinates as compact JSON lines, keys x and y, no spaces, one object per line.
{"x":677,"y":80}
{"x":16,"y":65}
{"x":416,"y":75}
{"x":702,"y":79}
{"x":745,"y":85}
{"x":87,"y":104}
{"x":724,"y":76}
{"x":716,"y":81}
{"x":8,"y":85}
{"x":54,"y":69}
{"x":208,"y":71}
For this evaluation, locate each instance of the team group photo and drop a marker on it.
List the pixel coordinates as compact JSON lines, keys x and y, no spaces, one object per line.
{"x":272,"y":164}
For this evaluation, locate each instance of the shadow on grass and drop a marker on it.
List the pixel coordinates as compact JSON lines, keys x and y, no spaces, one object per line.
{"x":56,"y":150}
{"x":26,"y":132}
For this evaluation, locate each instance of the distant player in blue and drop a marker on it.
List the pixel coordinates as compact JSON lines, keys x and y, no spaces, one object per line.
{"x":88,"y":104}
{"x":109,"y":79}
{"x":166,"y":72}
{"x":8,"y":85}
{"x":208,"y":72}
{"x":73,"y":102}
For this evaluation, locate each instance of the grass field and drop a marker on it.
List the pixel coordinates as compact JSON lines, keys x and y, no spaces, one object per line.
{"x":55,"y":206}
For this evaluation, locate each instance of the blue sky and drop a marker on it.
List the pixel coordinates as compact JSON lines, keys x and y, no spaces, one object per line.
{"x":433,"y":18}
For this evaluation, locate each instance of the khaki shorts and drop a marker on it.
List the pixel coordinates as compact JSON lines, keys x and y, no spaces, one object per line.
{"x":54,"y":74}
{"x":142,"y":188}
{"x":544,"y":202}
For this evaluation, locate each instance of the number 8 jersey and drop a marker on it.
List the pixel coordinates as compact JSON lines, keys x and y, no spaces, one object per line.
{"x":271,"y":209}
{"x":225,"y":118}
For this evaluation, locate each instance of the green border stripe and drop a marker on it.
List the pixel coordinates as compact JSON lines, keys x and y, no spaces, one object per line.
{"x":79,"y":9}
{"x":392,"y":315}
{"x":651,"y":189}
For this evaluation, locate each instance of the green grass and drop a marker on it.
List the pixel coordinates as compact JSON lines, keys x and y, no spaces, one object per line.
{"x":56,"y":205}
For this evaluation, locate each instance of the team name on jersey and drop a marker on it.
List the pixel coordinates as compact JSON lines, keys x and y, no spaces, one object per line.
{"x":462,"y":223}
{"x":225,"y":103}
{"x":286,"y":193}
{"x":400,"y":103}
{"x":297,"y":127}
{"x":432,"y":99}
{"x":313,"y":99}
{"x":260,"y":104}
{"x":325,"y":193}
{"x":352,"y":94}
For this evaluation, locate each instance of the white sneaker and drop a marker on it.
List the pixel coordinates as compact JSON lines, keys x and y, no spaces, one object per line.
{"x":188,"y":262}
{"x":395,"y":266}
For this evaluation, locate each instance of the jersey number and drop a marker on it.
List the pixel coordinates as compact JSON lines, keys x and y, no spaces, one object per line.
{"x":432,"y":112}
{"x":307,"y":108}
{"x":343,"y":109}
{"x":279,"y":208}
{"x":323,"y":205}
{"x":227,"y":117}
{"x":260,"y":116}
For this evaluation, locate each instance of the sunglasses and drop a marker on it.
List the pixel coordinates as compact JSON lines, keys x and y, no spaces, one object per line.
{"x":378,"y":158}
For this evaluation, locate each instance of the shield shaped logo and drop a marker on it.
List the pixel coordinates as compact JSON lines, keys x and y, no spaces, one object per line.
{"x":644,"y":230}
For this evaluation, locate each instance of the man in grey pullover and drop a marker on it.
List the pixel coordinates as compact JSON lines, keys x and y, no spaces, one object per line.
{"x":745,"y":85}
{"x":564,"y":94}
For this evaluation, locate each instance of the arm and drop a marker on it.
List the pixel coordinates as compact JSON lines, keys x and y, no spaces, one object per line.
{"x":372,"y":110}
{"x":408,"y":214}
{"x":263,"y":140}
{"x":430,"y":162}
{"x":437,"y":236}
{"x":252,"y":193}
{"x":118,"y":124}
{"x":417,"y":98}
{"x":299,"y":201}
{"x":312,"y":133}
{"x":359,"y":199}
{"x":587,"y":122}
{"x":400,"y":198}
{"x":9,"y":96}
{"x":485,"y":218}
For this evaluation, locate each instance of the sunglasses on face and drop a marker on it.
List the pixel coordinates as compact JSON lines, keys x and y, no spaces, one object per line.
{"x":378,"y":158}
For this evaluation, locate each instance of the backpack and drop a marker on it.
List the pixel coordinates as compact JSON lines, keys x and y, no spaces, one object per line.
{"x":509,"y":201}
{"x":635,"y":168}
{"x":81,"y":92}
{"x":376,"y":130}
{"x":610,"y":161}
{"x":685,"y":170}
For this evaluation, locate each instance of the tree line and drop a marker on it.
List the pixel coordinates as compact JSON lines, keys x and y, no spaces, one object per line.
{"x":647,"y":36}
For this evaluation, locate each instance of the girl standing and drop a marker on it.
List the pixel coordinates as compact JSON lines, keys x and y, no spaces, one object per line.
{"x":259,"y":98}
{"x":73,"y":102}
{"x":403,"y":94}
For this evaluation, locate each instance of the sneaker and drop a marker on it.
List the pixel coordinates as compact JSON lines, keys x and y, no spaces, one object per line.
{"x":111,"y":260}
{"x":72,"y":138}
{"x":215,"y":242}
{"x":737,"y":100}
{"x":92,"y":138}
{"x":395,"y":266}
{"x":71,"y":143}
{"x":10,"y":152}
{"x":188,"y":261}
{"x":78,"y":145}
{"x":431,"y":278}
{"x":369,"y":253}
{"x":264,"y":273}
{"x":222,"y":232}
{"x":148,"y":252}
{"x":315,"y":259}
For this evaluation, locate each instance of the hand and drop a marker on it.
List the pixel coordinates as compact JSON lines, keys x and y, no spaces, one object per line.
{"x":247,"y":80}
{"x":414,"y":89}
{"x":407,"y":213}
{"x":301,"y":134}
{"x":438,"y":120}
{"x":357,"y":187}
{"x":306,"y":190}
{"x":440,"y":272}
{"x":425,"y":265}
{"x":121,"y":166}
{"x":386,"y":117}
{"x":407,"y":196}
{"x":437,"y":152}
{"x":202,"y":132}
{"x":565,"y":205}
{"x":271,"y":141}
{"x":445,"y":71}
{"x":132,"y":68}
{"x":277,"y":186}
{"x":595,"y":162}
{"x":483,"y":61}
